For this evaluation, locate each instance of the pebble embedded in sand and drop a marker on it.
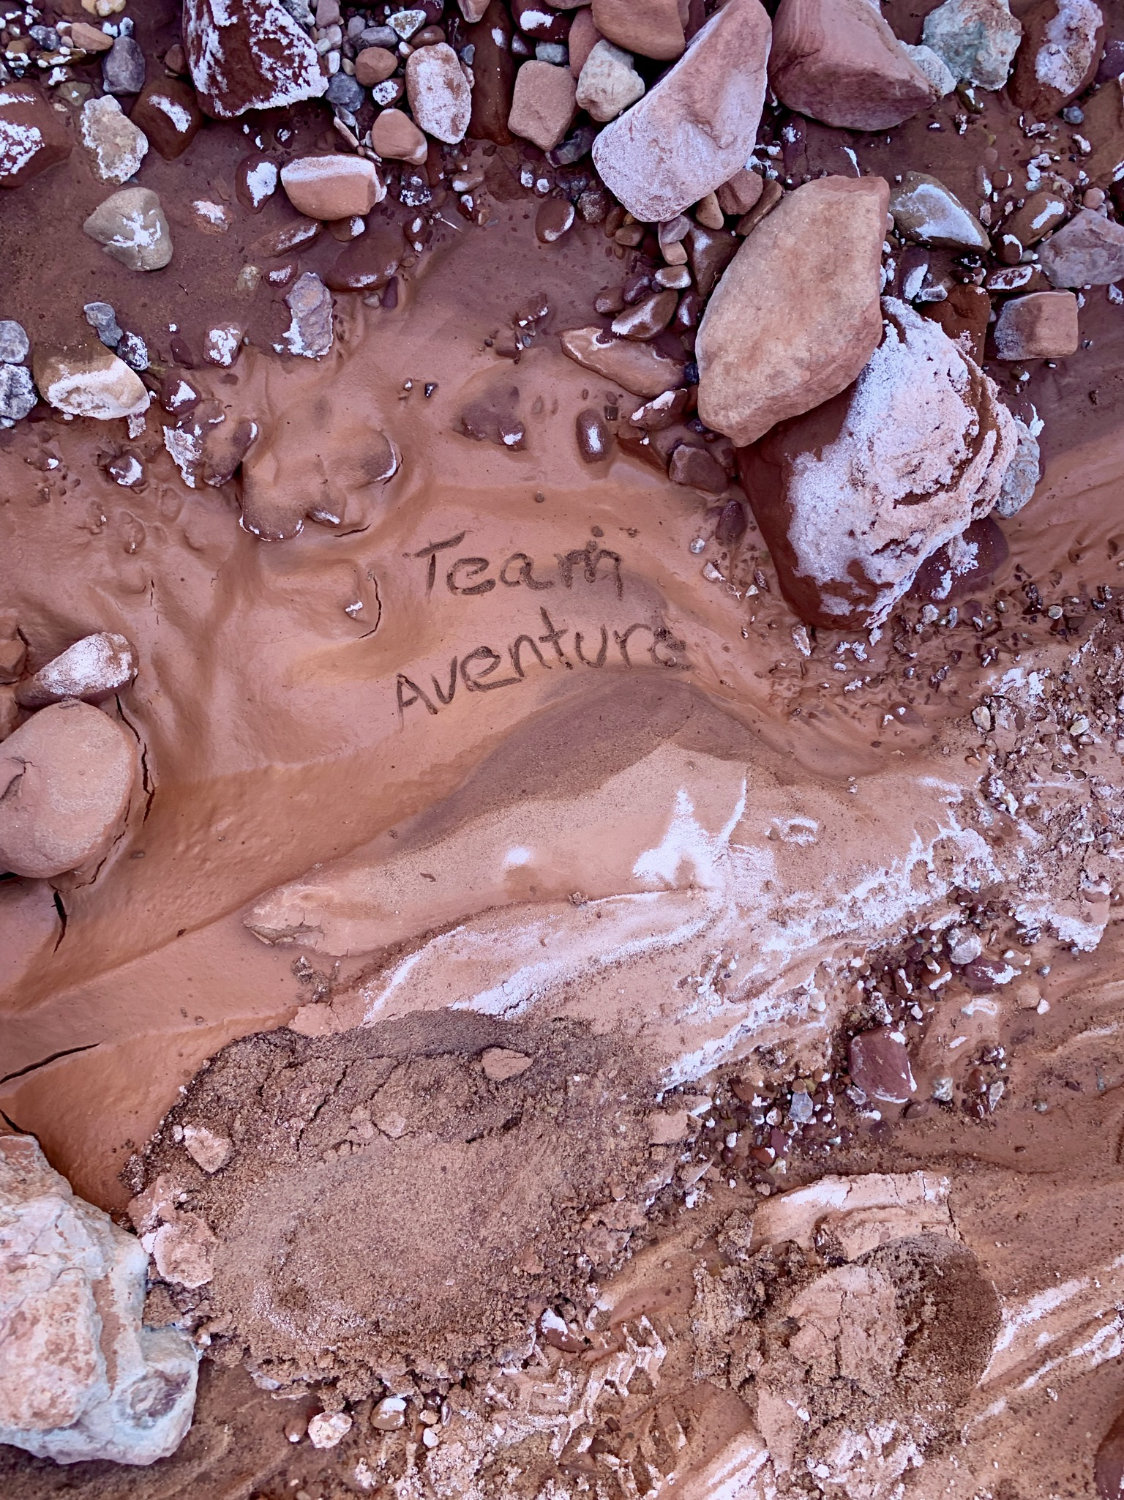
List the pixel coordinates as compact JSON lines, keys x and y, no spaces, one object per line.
{"x":332,"y":187}
{"x":117,"y":144}
{"x":500,"y":1063}
{"x":1042,"y":325}
{"x":439,"y":93}
{"x":208,"y":1151}
{"x":131,"y":227}
{"x":183,"y":1250}
{"x":310,"y":303}
{"x":93,"y":668}
{"x":879,"y":1064}
{"x":95,"y":385}
{"x":327,"y":1430}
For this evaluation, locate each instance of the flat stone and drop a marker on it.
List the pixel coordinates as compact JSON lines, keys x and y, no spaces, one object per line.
{"x":395,"y":136}
{"x":543,"y":104}
{"x":117,"y":144}
{"x":366,"y":264}
{"x":696,"y":127}
{"x":439,"y":93}
{"x":644,"y":319}
{"x":1088,"y":251}
{"x":879,"y":1063}
{"x":17,"y":394}
{"x":650,"y":27}
{"x":131,"y":227}
{"x":934,"y":68}
{"x":1062,"y":43}
{"x":1040,"y":326}
{"x":1042,"y":212}
{"x":926,"y":211}
{"x":14,"y":342}
{"x":310,"y":303}
{"x":81,"y":1377}
{"x":255,"y":181}
{"x":332,"y":187}
{"x":122,"y":68}
{"x":66,"y":777}
{"x":97,"y":385}
{"x":855,"y":495}
{"x":89,"y":38}
{"x":209,"y":1152}
{"x":636,"y":366}
{"x":975,"y":39}
{"x":93,"y":669}
{"x":169,"y":114}
{"x":698,"y":468}
{"x":248,"y":54}
{"x":839,"y":61}
{"x":502,"y":1063}
{"x":608,"y":82}
{"x":375,"y":65}
{"x":796,"y":315}
{"x":33,"y":135}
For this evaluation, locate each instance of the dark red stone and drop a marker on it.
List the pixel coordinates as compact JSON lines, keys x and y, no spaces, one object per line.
{"x":248,"y":54}
{"x":1108,"y":1467}
{"x":33,"y":135}
{"x":536,"y":19}
{"x":367,"y":263}
{"x":879,"y":1063}
{"x":493,"y":68}
{"x":169,"y":115}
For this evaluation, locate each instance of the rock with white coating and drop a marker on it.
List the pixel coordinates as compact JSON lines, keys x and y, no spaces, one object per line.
{"x":97,"y":385}
{"x":169,"y":115}
{"x":852,"y":497}
{"x":248,"y":54}
{"x":92,"y":669}
{"x":1020,"y":480}
{"x":975,"y":39}
{"x":925,"y":210}
{"x":796,"y":314}
{"x":935,"y":69}
{"x":14,"y":342}
{"x":1062,"y":44}
{"x":608,"y":83}
{"x":33,"y":135}
{"x":636,"y":366}
{"x":182,"y":1249}
{"x":327,"y":1429}
{"x":131,"y":227}
{"x":332,"y":187}
{"x":696,"y":127}
{"x":81,"y":1377}
{"x":439,"y":92}
{"x":310,"y":303}
{"x":117,"y":145}
{"x":1088,"y":251}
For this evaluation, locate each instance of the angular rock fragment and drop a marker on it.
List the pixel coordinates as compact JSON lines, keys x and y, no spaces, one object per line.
{"x":925,"y":210}
{"x":17,"y":394}
{"x":310,"y":303}
{"x":650,"y":27}
{"x":169,"y":115}
{"x":14,"y":342}
{"x":636,"y":366}
{"x":696,"y":127}
{"x":854,"y":496}
{"x":93,"y":668}
{"x":796,"y":314}
{"x":439,"y":93}
{"x":1088,"y":251}
{"x":248,"y":54}
{"x":123,"y":68}
{"x":975,"y":39}
{"x":879,"y":1062}
{"x":33,"y":134}
{"x":131,"y":227}
{"x":608,"y":83}
{"x":118,"y":145}
{"x":1041,"y":212}
{"x":1062,"y":42}
{"x":81,"y":1377}
{"x":839,"y":61}
{"x":543,"y":104}
{"x":1042,"y":325}
{"x":332,"y":187}
{"x":1021,"y":478}
{"x":493,"y":69}
{"x":66,"y":776}
{"x":90,"y":385}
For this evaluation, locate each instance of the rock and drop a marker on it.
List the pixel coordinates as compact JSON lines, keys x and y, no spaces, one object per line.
{"x":1021,"y":478}
{"x":66,"y":776}
{"x":33,"y":134}
{"x":17,"y":394}
{"x":345,"y":92}
{"x":183,"y":1249}
{"x":925,"y":210}
{"x":608,"y":82}
{"x":667,"y":1127}
{"x":103,"y":320}
{"x":132,"y":228}
{"x":209,"y":1152}
{"x":964,"y":315}
{"x":81,"y":1377}
{"x":852,"y":497}
{"x":493,"y":68}
{"x":698,"y":468}
{"x":14,"y":342}
{"x":554,"y":218}
{"x":1108,"y":1466}
{"x":332,"y":187}
{"x":439,"y":93}
{"x":879,"y":1062}
{"x":118,"y":145}
{"x":1041,"y":326}
{"x":93,"y":668}
{"x":796,"y":315}
{"x":710,"y":251}
{"x":395,"y":136}
{"x":543,"y":104}
{"x":310,"y":303}
{"x":255,"y":181}
{"x":122,"y":68}
{"x":89,"y":38}
{"x":592,"y":434}
{"x":838,"y":61}
{"x":934,"y":68}
{"x":1062,"y":41}
{"x":583,"y":37}
{"x":326,"y":1430}
{"x":543,"y":23}
{"x":169,"y":115}
{"x":651,"y":27}
{"x":636,"y":366}
{"x":975,"y":39}
{"x":97,"y":385}
{"x":644,"y":319}
{"x":501,"y":1063}
{"x":248,"y":54}
{"x":696,"y":127}
{"x":741,"y":192}
{"x":13,"y":647}
{"x":206,"y":446}
{"x":367,"y":263}
{"x":1041,"y":212}
{"x":375,"y":65}
{"x":1088,"y":251}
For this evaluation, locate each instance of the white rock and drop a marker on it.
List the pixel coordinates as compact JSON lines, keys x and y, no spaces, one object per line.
{"x":326,"y":1430}
{"x":439,"y":93}
{"x":1021,"y":478}
{"x":608,"y":83}
{"x":80,"y":1376}
{"x":118,"y":146}
{"x":91,"y":669}
{"x":935,"y":69}
{"x":95,"y":385}
{"x":131,"y":227}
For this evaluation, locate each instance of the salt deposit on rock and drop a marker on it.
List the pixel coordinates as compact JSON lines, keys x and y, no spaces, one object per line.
{"x":1088,"y":251}
{"x":695,"y":129}
{"x":92,"y":669}
{"x":310,"y":331}
{"x":248,"y":54}
{"x":81,"y":1377}
{"x":90,"y":385}
{"x":169,"y":115}
{"x":796,"y":314}
{"x":1062,"y":44}
{"x":839,"y":61}
{"x":131,"y":227}
{"x":439,"y":93}
{"x":1042,"y":325}
{"x":608,"y":83}
{"x":33,"y":136}
{"x":935,"y":69}
{"x":924,"y":209}
{"x":332,"y":187}
{"x":118,"y":146}
{"x":852,"y":497}
{"x":975,"y":39}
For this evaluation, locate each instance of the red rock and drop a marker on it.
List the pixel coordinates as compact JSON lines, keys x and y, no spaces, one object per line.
{"x":367,"y":263}
{"x":332,"y":187}
{"x":1108,"y":1467}
{"x":543,"y":104}
{"x":1058,"y":57}
{"x":964,"y":314}
{"x":741,"y":192}
{"x":647,"y":318}
{"x":1041,"y":326}
{"x":796,"y":315}
{"x":394,"y":135}
{"x":592,"y":434}
{"x":583,"y":37}
{"x":493,"y":68}
{"x":698,"y":468}
{"x":650,"y":27}
{"x":542,"y":22}
{"x":169,"y":115}
{"x":33,"y":135}
{"x":879,"y":1063}
{"x":636,"y":366}
{"x":838,"y":61}
{"x":1088,"y":251}
{"x":248,"y":54}
{"x":374,"y":65}
{"x":255,"y":181}
{"x":695,"y":129}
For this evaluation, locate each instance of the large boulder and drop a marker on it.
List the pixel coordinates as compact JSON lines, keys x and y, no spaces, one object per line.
{"x":796,"y":315}
{"x":81,"y":1377}
{"x":839,"y":61}
{"x":853,"y":497}
{"x":695,"y":129}
{"x":248,"y":54}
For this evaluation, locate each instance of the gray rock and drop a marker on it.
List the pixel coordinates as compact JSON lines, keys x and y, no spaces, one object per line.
{"x":344,"y":91}
{"x":122,"y":68}
{"x":1019,"y":483}
{"x":310,"y":332}
{"x":103,"y":320}
{"x":132,"y":228}
{"x":975,"y":39}
{"x":133,"y":350}
{"x":1088,"y":251}
{"x":924,"y":209}
{"x":17,"y":394}
{"x":935,"y":69}
{"x":379,"y":36}
{"x":14,"y":342}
